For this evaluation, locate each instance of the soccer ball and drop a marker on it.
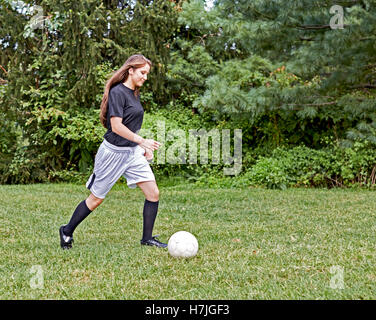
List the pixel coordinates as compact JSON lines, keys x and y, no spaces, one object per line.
{"x":182,"y":244}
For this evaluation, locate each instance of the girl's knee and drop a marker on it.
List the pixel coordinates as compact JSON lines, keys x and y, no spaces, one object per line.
{"x":150,"y":190}
{"x":156,"y":193}
{"x":93,"y":202}
{"x":153,"y":195}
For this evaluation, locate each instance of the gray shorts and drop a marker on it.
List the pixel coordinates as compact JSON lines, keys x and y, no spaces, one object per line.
{"x":112,"y":162}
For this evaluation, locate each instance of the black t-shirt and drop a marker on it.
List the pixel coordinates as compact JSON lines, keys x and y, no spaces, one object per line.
{"x":123,"y":103}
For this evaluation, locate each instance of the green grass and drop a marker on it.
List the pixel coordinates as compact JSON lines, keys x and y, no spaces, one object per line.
{"x":253,"y":244}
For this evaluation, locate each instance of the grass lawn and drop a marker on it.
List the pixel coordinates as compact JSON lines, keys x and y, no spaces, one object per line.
{"x":253,"y":244}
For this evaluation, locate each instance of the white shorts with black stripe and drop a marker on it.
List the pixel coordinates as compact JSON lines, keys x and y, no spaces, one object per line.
{"x":112,"y":162}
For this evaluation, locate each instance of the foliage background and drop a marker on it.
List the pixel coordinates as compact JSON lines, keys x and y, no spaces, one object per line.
{"x":302,"y":93}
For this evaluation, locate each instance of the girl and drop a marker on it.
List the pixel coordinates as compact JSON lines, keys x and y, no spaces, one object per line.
{"x":122,"y":152}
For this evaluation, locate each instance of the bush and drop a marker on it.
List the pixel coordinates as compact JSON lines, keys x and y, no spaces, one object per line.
{"x":268,"y":172}
{"x":301,"y":166}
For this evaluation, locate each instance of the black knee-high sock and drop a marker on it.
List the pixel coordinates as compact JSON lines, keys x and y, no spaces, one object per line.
{"x":149,"y":214}
{"x":81,"y":212}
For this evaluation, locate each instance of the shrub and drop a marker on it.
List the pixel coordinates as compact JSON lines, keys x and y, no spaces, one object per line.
{"x":333,"y":166}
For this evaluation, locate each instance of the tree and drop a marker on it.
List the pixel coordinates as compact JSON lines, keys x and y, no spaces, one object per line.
{"x":53,"y":73}
{"x":317,"y":73}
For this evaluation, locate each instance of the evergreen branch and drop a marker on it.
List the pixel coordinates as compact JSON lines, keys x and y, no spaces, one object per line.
{"x":364,"y":85}
{"x":202,"y":38}
{"x":306,"y":105}
{"x":314,"y":27}
{"x":346,"y":3}
{"x":263,"y":14}
{"x":319,"y":96}
{"x":313,"y":104}
{"x":306,"y":39}
{"x":317,"y":26}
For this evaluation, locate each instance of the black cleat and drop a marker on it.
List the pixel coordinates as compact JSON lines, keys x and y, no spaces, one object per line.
{"x":153,"y":242}
{"x":65,"y":241}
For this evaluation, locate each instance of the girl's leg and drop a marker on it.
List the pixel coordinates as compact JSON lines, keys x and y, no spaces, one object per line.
{"x":93,"y":202}
{"x":151,"y":192}
{"x":82,"y":211}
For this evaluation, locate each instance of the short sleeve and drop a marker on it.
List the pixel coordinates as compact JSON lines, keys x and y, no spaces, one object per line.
{"x":116,"y":101}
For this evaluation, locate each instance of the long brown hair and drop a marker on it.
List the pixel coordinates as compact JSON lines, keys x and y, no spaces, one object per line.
{"x":121,"y":75}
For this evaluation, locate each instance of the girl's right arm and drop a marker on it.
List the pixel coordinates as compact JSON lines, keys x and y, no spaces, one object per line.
{"x":120,"y":129}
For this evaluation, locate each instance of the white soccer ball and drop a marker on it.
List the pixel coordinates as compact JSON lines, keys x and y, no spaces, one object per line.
{"x":182,"y":244}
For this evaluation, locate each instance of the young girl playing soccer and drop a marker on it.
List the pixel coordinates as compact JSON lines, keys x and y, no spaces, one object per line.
{"x":122,"y":152}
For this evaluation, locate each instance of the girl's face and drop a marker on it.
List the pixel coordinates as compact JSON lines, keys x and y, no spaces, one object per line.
{"x":139,"y":76}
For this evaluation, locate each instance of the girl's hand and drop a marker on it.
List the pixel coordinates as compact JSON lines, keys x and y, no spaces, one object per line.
{"x":148,"y":154}
{"x":150,"y":144}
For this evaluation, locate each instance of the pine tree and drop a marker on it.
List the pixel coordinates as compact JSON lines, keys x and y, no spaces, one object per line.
{"x":315,"y":68}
